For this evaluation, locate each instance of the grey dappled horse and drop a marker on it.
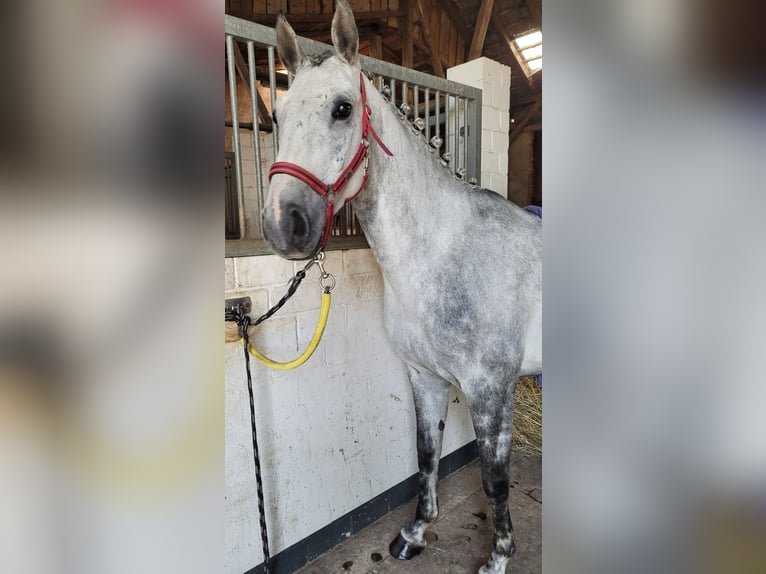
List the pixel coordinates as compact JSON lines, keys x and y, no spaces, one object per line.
{"x":461,"y":266}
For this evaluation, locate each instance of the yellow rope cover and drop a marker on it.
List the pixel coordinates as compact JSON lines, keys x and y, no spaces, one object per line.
{"x":324,"y":312}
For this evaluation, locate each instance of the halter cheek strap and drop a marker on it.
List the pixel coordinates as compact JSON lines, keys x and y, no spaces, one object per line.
{"x":329,"y":191}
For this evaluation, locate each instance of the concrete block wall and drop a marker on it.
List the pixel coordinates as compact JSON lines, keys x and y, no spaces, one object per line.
{"x":494,"y":79}
{"x":335,"y":432}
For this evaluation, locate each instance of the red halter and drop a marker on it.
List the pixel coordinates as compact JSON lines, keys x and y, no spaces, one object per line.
{"x":329,"y":191}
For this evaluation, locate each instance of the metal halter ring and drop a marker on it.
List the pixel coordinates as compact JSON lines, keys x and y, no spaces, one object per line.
{"x":327,"y":282}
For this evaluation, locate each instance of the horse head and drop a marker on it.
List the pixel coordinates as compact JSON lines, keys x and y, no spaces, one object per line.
{"x":320,"y":120}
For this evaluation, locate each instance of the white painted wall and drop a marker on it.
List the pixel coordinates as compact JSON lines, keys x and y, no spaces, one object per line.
{"x":494,"y":80}
{"x":334,"y":433}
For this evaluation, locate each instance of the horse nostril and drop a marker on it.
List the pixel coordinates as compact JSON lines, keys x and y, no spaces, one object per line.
{"x":299,"y":226}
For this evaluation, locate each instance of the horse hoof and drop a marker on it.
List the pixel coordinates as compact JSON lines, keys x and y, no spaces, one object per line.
{"x":403,"y":550}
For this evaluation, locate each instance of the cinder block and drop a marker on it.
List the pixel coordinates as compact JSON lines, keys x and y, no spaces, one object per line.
{"x":499,"y":142}
{"x":276,"y":338}
{"x":334,"y":349}
{"x":309,"y":295}
{"x":486,"y":140}
{"x":264,"y":270}
{"x":489,"y":162}
{"x":501,"y":97}
{"x":490,"y":118}
{"x":275,"y":294}
{"x":229,"y":277}
{"x":248,"y":166}
{"x":359,"y":261}
{"x":467,"y":73}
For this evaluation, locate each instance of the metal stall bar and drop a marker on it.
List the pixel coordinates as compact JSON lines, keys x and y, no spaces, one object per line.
{"x":436,"y":117}
{"x":235,"y":134}
{"x":427,"y":114}
{"x":273,"y":90}
{"x":466,"y":130}
{"x":393,"y":91}
{"x":474,"y":142}
{"x":456,"y":142}
{"x":415,"y":102}
{"x":256,"y":137}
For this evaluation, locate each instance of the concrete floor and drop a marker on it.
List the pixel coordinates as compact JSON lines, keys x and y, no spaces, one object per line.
{"x":460,"y":541}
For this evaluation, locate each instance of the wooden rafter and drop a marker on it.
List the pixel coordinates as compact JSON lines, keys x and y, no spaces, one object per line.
{"x":454,"y":15}
{"x":243,"y":72}
{"x":408,"y":35}
{"x":480,"y":31}
{"x":536,"y":11}
{"x":435,"y":60}
{"x":376,"y":46}
{"x":522,"y":123}
{"x":359,"y":17}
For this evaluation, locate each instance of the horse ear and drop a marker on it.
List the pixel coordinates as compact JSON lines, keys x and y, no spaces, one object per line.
{"x":345,"y":38}
{"x":287,"y":45}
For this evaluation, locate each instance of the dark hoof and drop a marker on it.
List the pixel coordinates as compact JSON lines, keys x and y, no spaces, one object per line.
{"x":403,"y":550}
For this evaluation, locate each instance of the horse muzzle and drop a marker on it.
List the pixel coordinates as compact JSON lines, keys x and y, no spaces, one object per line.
{"x":294,"y":228}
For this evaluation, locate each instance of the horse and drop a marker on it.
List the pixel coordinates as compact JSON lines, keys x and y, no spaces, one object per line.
{"x":461,"y":265}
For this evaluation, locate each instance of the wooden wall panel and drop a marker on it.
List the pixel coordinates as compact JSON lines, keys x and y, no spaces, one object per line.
{"x":296,"y":7}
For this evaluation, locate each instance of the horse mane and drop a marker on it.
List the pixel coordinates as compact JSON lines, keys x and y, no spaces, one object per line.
{"x":318,"y":59}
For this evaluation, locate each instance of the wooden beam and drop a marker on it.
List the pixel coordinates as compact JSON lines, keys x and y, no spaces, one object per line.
{"x":408,"y":33}
{"x":453,"y":13}
{"x":359,"y":17}
{"x":525,"y":101}
{"x":480,"y":31}
{"x":536,"y":11}
{"x":500,"y":30}
{"x":376,"y":46}
{"x":242,"y":69}
{"x":522,"y":123}
{"x":427,"y":60}
{"x":435,"y":60}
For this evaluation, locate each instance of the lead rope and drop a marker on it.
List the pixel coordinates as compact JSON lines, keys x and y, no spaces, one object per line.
{"x":256,"y":455}
{"x":243,"y":321}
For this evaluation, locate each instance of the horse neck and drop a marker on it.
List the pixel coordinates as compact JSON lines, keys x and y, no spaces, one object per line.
{"x":409,"y":201}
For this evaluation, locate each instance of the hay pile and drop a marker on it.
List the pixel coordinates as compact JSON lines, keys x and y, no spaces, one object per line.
{"x":528,"y":416}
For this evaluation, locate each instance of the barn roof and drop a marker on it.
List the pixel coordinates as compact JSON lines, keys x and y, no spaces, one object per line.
{"x":449,"y":30}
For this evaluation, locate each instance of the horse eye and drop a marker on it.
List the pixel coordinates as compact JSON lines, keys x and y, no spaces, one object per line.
{"x":342,"y":110}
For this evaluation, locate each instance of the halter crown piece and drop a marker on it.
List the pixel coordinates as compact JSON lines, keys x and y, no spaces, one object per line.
{"x":330,"y":190}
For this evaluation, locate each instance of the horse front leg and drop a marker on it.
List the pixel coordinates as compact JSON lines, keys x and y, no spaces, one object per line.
{"x":492,"y":416}
{"x":431,"y":396}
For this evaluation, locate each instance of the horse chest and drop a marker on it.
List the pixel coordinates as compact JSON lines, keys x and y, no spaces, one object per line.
{"x":422,"y":336}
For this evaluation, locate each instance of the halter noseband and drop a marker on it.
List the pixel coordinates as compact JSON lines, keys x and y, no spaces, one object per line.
{"x":329,"y":191}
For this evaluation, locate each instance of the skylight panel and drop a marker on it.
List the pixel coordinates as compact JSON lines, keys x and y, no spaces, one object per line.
{"x":529,"y":49}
